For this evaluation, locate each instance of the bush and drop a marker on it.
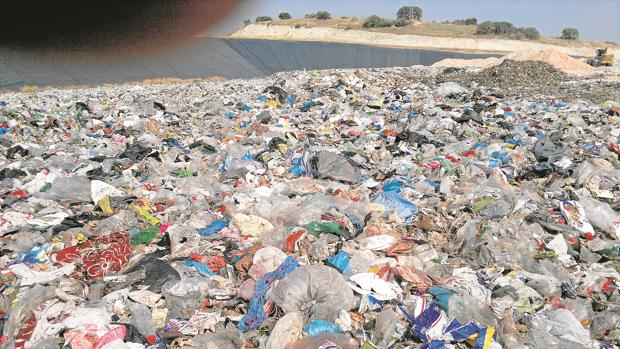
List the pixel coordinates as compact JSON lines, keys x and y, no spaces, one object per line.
{"x":570,"y":34}
{"x":409,"y":13}
{"x":247,"y":21}
{"x":467,"y":21}
{"x":530,"y":33}
{"x":495,"y":28}
{"x":508,"y":30}
{"x":400,"y":23}
{"x":323,"y":15}
{"x":375,"y":21}
{"x":517,"y":34}
{"x":319,"y":15}
{"x":263,"y":19}
{"x":284,"y":15}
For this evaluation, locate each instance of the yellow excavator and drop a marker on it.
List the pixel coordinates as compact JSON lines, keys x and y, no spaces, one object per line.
{"x":602,"y":58}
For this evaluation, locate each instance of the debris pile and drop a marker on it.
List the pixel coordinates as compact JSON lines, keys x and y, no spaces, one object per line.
{"x":511,"y":73}
{"x":557,"y":59}
{"x":320,"y":209}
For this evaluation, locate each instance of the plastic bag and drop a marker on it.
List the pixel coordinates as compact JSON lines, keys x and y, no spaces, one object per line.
{"x":213,"y":228}
{"x":287,"y":330}
{"x":326,"y":340}
{"x":256,"y":314}
{"x":320,"y":286}
{"x":269,"y":257}
{"x":392,"y":201}
{"x":251,"y":225}
{"x":602,"y":216}
{"x":318,"y":327}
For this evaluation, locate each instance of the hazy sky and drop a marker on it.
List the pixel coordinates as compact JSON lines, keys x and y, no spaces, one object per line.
{"x":595,"y":19}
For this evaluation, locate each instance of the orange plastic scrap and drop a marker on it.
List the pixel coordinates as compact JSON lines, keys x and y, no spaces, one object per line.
{"x":422,"y":282}
{"x":400,"y":247}
{"x":292,"y":239}
{"x":215,"y":263}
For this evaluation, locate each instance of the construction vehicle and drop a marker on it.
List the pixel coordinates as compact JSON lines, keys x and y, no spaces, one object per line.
{"x":602,"y":58}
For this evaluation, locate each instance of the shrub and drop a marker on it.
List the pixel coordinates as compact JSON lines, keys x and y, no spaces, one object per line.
{"x":375,"y":21}
{"x":323,"y":15}
{"x":263,"y":19}
{"x":508,"y":30}
{"x":409,"y":13}
{"x":467,"y":21}
{"x":247,"y":21}
{"x":495,"y":28}
{"x":400,"y":23}
{"x":530,"y":33}
{"x":517,"y":34}
{"x":284,"y":15}
{"x":570,"y":34}
{"x":310,"y":15}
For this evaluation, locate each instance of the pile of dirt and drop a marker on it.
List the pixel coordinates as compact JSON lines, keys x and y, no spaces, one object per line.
{"x":519,"y":73}
{"x":556,"y":58}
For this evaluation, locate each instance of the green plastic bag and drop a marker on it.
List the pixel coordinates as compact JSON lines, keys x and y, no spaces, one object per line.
{"x":316,"y":228}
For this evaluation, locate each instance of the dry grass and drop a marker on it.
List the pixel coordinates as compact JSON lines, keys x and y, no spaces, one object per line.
{"x":426,"y":29}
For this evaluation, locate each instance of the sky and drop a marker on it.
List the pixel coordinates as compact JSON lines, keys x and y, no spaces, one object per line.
{"x":595,"y":19}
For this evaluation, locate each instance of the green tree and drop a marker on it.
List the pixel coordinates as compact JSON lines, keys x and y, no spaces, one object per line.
{"x":530,"y":33}
{"x":263,"y":19}
{"x":570,"y":34}
{"x":284,"y":15}
{"x":409,"y":13}
{"x":495,"y":28}
{"x":323,"y":15}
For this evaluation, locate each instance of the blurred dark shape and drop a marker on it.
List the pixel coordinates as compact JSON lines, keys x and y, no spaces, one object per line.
{"x":110,"y":27}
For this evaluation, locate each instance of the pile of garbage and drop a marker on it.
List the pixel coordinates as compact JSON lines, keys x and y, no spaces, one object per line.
{"x":319,"y":209}
{"x":510,"y":74}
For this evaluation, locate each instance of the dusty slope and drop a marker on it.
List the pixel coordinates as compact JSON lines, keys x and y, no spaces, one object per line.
{"x":554,"y":57}
{"x":282,"y":32}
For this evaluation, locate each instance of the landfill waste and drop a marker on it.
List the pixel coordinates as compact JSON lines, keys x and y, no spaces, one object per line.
{"x":517,"y":73}
{"x":372,"y":208}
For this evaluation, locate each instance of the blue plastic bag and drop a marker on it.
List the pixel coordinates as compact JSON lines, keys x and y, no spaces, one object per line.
{"x":213,"y":228}
{"x":393,"y":186}
{"x":392,"y":201}
{"x":318,"y":327}
{"x":256,"y":315}
{"x":201,"y":268}
{"x":442,"y":296}
{"x":341,"y":262}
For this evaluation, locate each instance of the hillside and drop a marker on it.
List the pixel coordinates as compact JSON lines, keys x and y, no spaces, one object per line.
{"x":416,"y":35}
